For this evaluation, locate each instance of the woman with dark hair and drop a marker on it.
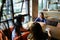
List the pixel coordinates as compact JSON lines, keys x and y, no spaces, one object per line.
{"x":41,"y":18}
{"x":16,"y":34}
{"x":36,"y":32}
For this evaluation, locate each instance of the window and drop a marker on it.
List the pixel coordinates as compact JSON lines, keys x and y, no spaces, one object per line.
{"x":19,"y":6}
{"x":50,"y":5}
{"x":39,"y":5}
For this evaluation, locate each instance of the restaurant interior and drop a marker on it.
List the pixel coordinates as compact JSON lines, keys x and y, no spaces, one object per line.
{"x":10,"y":9}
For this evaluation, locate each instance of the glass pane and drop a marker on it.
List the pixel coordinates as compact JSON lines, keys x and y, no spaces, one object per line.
{"x":9,"y":17}
{"x":44,"y":4}
{"x":25,"y":8}
{"x":16,"y":1}
{"x":26,"y":19}
{"x":10,"y":23}
{"x":52,"y":7}
{"x":40,"y":5}
{"x":17,"y":7}
{"x":3,"y":18}
{"x":30,"y":7}
{"x":58,"y":6}
{"x":3,"y":25}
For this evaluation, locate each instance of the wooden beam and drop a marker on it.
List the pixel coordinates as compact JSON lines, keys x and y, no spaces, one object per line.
{"x":34,"y":9}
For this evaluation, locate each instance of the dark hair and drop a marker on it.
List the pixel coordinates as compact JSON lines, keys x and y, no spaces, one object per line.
{"x":18,"y":18}
{"x":42,"y":14}
{"x":18,"y":24}
{"x":36,"y":31}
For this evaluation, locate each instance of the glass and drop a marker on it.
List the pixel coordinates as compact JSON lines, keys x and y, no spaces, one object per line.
{"x":58,"y":6}
{"x":30,"y":7}
{"x":48,"y":4}
{"x":17,"y":7}
{"x":52,"y":7}
{"x":16,"y":1}
{"x":3,"y":18}
{"x":26,"y":19}
{"x":44,"y":4}
{"x":3,"y":25}
{"x":39,"y":5}
{"x":10,"y":23}
{"x":25,"y":8}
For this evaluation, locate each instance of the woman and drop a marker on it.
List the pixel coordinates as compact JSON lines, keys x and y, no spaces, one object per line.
{"x":36,"y":32}
{"x":18,"y":30}
{"x":41,"y":18}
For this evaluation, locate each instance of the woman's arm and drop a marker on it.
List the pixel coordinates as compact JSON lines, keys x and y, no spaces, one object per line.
{"x":17,"y":37}
{"x":23,"y":30}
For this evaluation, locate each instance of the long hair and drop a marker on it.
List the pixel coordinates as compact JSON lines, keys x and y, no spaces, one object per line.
{"x":42,"y":15}
{"x":36,"y":31}
{"x":19,"y":18}
{"x":18,"y":24}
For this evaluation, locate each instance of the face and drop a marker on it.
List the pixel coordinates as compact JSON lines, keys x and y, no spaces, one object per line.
{"x":42,"y":16}
{"x":22,"y":19}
